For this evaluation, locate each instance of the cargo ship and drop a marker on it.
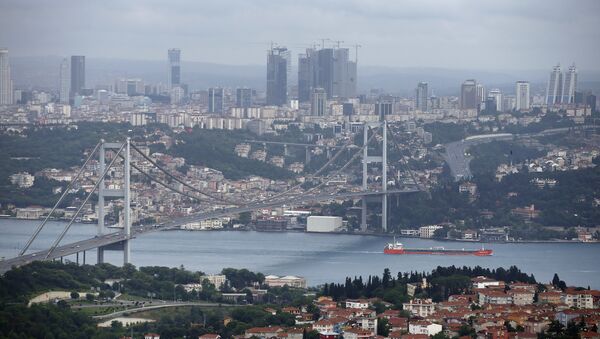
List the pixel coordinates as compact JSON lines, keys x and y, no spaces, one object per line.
{"x":398,"y":248}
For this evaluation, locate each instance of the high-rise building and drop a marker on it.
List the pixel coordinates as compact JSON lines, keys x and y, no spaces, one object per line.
{"x":327,"y":68}
{"x":422,"y":97}
{"x":570,"y":85}
{"x":215,"y":100}
{"x":554,"y":90}
{"x":480,"y":93}
{"x":174,"y":67}
{"x":305,"y":75}
{"x":384,"y":108}
{"x":130,"y":87}
{"x":6,"y":85}
{"x":277,"y":76}
{"x":468,"y":95}
{"x":496,"y":94}
{"x":522,"y":96}
{"x":318,"y":102}
{"x":64,"y":81}
{"x":77,"y":74}
{"x":243,"y":97}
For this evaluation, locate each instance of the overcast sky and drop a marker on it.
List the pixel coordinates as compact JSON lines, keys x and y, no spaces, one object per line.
{"x":494,"y":35}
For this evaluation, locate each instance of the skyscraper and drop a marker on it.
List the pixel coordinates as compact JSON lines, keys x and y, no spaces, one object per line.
{"x":522,"y":94}
{"x":215,"y":100}
{"x":554,"y":91}
{"x":243,"y":97}
{"x":570,"y":86}
{"x":6,"y":86}
{"x":174,"y":67}
{"x":305,"y":75}
{"x":64,"y":81}
{"x":480,"y":93}
{"x":77,"y":74}
{"x":318,"y":102}
{"x":496,"y":95}
{"x":468,"y":95}
{"x":277,"y":76}
{"x":327,"y":68}
{"x":422,"y":97}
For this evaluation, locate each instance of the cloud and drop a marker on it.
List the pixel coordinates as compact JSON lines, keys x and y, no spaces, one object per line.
{"x":452,"y":33}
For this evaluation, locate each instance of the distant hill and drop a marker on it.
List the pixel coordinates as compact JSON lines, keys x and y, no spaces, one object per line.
{"x":42,"y":72}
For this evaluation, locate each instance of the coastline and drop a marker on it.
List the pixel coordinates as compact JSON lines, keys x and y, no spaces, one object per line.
{"x":382,"y":235}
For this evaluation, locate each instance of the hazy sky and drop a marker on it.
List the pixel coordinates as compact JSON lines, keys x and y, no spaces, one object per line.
{"x":477,"y":34}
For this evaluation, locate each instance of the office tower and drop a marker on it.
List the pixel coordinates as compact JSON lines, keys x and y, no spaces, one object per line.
{"x":422,"y":97}
{"x":522,"y":94}
{"x":277,"y":76}
{"x":6,"y":86}
{"x":215,"y":100}
{"x":495,"y":94}
{"x":130,"y":87}
{"x":64,"y":81}
{"x":305,"y":75}
{"x":554,"y":90}
{"x":327,"y":68}
{"x":480,"y":89}
{"x":318,"y":102}
{"x":174,"y":67}
{"x":570,"y":86}
{"x":384,"y":108}
{"x":468,"y":95}
{"x":243,"y":97}
{"x":77,"y":74}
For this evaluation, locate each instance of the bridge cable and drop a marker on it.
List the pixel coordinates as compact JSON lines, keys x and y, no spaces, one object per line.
{"x":410,"y":172}
{"x":162,"y":183}
{"x":329,"y":162}
{"x":64,"y":194}
{"x":181,"y":181}
{"x":55,"y":244}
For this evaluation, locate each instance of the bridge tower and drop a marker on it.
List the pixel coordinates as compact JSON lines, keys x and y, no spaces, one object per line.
{"x":124,"y":192}
{"x":382,"y":159}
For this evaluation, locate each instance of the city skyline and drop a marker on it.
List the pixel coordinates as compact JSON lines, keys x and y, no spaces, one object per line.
{"x":441,"y":35}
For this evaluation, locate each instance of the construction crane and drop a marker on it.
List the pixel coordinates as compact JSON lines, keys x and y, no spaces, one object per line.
{"x":338,"y":42}
{"x":356,"y":47}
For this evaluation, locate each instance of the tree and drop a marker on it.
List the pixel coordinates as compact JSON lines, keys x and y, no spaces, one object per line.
{"x":89,"y":297}
{"x":74,"y":295}
{"x":383,"y":327}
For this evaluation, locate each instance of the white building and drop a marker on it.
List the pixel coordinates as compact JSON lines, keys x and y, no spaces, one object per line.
{"x":289,"y":280}
{"x":23,"y":179}
{"x":216,"y":279}
{"x":497,"y":96}
{"x":419,"y":307}
{"x":570,"y":85}
{"x":428,"y":231}
{"x":522,"y":96}
{"x":323,"y":223}
{"x":6,"y":85}
{"x":357,"y":303}
{"x":424,"y":327}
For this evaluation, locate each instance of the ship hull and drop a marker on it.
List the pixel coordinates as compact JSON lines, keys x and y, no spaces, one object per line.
{"x":479,"y":253}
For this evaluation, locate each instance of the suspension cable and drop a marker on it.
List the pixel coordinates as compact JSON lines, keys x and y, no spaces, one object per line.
{"x":181,"y":181}
{"x":64,"y":194}
{"x":55,"y":244}
{"x":410,"y":172}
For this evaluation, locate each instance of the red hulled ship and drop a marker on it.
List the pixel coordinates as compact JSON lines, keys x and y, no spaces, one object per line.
{"x":398,"y":248}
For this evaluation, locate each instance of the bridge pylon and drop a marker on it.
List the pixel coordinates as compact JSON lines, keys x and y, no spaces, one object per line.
{"x":382,"y":159}
{"x":124,"y":192}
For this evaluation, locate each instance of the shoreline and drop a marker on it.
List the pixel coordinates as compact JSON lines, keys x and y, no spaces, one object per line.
{"x":381,"y":235}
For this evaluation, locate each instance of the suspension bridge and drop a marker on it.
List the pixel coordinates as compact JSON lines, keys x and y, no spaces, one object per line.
{"x":122,"y":153}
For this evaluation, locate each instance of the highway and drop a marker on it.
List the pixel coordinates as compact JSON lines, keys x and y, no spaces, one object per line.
{"x":118,"y":237}
{"x":458,"y":161}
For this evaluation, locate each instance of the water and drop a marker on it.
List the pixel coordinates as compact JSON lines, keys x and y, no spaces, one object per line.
{"x":319,"y":258}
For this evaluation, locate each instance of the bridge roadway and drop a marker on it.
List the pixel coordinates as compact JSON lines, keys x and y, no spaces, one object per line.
{"x":295,"y":144}
{"x":116,"y":238}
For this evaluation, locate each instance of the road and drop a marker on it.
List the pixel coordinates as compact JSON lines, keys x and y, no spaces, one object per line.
{"x":159,"y":306}
{"x":119,"y":237}
{"x":458,"y":160}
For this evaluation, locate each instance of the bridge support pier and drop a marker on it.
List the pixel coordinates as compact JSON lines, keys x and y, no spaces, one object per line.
{"x":307,"y":155}
{"x":77,"y":258}
{"x":375,"y":159}
{"x":125,"y":193}
{"x":83,"y":257}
